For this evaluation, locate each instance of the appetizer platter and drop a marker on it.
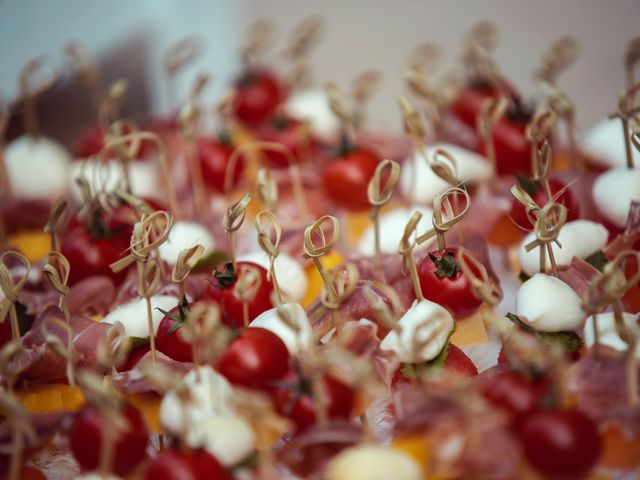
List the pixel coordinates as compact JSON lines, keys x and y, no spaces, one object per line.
{"x":296,"y":294}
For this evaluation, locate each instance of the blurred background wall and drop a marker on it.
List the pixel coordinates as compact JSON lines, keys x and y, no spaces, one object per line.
{"x":130,"y":37}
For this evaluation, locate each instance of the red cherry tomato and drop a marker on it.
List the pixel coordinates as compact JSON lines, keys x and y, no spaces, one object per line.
{"x":296,"y":401}
{"x":91,"y":255}
{"x":288,"y":132}
{"x":519,"y":215}
{"x":135,"y":355}
{"x":86,"y":433}
{"x":169,"y":337}
{"x":257,"y":94}
{"x":513,"y":152}
{"x":516,"y":394}
{"x":92,"y":141}
{"x":457,"y":361}
{"x":254,"y":359}
{"x":470,"y":100}
{"x":443,"y":282}
{"x":223,"y":292}
{"x":561,"y":444}
{"x":346,"y":179}
{"x":186,"y":465}
{"x":214,"y":159}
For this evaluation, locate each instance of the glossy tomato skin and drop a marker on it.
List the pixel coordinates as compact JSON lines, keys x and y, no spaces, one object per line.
{"x":561,"y":444}
{"x":288,"y":132}
{"x":89,"y":255}
{"x":214,"y":159}
{"x":254,"y":359}
{"x":187,"y":465}
{"x":346,"y":179}
{"x":86,"y":432}
{"x":469,"y":102}
{"x":230,"y":304}
{"x":454,"y":293}
{"x":513,"y":153}
{"x":457,"y":361}
{"x":257,"y":95}
{"x":170,"y":342}
{"x":92,"y":141}
{"x":519,"y":214}
{"x":298,"y":404}
{"x":135,"y":355}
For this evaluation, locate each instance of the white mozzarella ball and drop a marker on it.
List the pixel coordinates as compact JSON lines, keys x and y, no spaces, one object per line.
{"x":133,"y":315}
{"x":210,"y":394}
{"x":290,"y":274}
{"x":608,"y":333}
{"x":605,"y":143}
{"x":419,"y":183}
{"x":229,"y":438}
{"x":424,"y":321}
{"x":144,"y":177}
{"x":185,"y":235}
{"x":37,"y":167}
{"x":392,"y":226}
{"x":373,"y":462}
{"x":548,"y":304}
{"x":613,"y":192}
{"x":312,"y":105}
{"x":294,"y":340}
{"x":579,"y":238}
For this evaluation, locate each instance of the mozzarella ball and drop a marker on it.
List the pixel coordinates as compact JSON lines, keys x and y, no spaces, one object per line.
{"x":420,"y":184}
{"x":425,"y":320}
{"x":133,"y":315}
{"x":229,"y":438}
{"x":144,"y":177}
{"x":294,"y":340}
{"x":312,"y":105}
{"x":605,"y":143}
{"x":185,"y":235}
{"x":37,"y":168}
{"x":210,"y":395}
{"x":548,"y":304}
{"x":579,"y":238}
{"x":373,"y":462}
{"x":392,"y":226}
{"x":607,"y":332}
{"x":291,"y":277}
{"x":613,"y":192}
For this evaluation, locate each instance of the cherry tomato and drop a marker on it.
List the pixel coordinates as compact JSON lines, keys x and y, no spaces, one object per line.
{"x":254,"y":359}
{"x":186,"y":465}
{"x":91,"y":255}
{"x":513,"y":152}
{"x":518,"y":395}
{"x":135,"y":355}
{"x":297,"y":403}
{"x":561,"y":444}
{"x":456,"y":361}
{"x":470,"y":100}
{"x":346,"y":179}
{"x":443,"y":282}
{"x":92,"y":141}
{"x":222,"y":291}
{"x":214,"y":158}
{"x":257,"y":94}
{"x":519,"y":215}
{"x":169,"y":337}
{"x":86,"y":432}
{"x":288,"y":132}
{"x":631,"y":299}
